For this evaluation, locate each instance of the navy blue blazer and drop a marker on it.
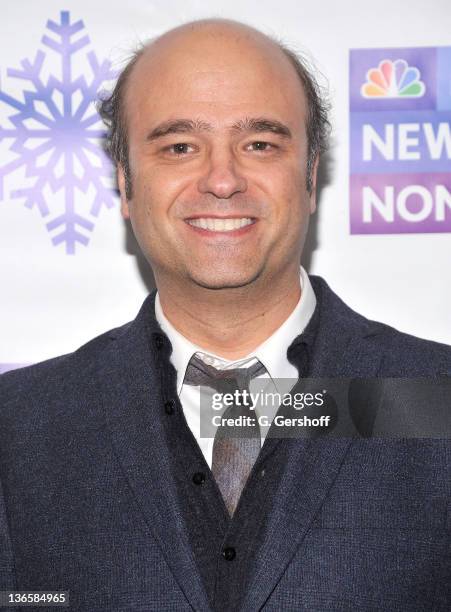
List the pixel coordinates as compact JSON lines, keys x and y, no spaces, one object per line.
{"x":88,"y":502}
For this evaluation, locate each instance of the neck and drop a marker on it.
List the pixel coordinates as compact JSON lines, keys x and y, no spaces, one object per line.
{"x":230,"y":323}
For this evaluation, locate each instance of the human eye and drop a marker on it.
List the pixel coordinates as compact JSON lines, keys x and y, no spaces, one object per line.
{"x":261,"y":146}
{"x":179,"y":148}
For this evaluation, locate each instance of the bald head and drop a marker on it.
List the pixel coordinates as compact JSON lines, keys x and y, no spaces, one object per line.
{"x":181,"y":57}
{"x":203,"y":31}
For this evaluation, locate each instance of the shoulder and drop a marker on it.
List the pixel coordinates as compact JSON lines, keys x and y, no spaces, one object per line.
{"x":69,"y":390}
{"x":55,"y":381}
{"x":404,"y":354}
{"x":417,"y":356}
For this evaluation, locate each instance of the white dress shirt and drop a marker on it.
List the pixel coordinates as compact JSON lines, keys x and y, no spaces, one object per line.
{"x":272,"y":353}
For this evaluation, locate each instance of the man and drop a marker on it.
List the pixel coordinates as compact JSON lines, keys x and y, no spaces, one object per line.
{"x":108,"y":490}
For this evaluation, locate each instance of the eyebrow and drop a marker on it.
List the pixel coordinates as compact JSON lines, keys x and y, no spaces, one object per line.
{"x":178,"y":126}
{"x":249,"y":124}
{"x":261,"y":124}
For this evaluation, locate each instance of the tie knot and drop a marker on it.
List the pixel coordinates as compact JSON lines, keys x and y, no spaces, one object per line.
{"x":199,"y":373}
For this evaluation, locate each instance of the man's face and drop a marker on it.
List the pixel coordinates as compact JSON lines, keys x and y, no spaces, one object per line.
{"x":218,"y":157}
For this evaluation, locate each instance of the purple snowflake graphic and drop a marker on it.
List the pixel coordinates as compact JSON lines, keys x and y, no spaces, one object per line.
{"x":56,"y":135}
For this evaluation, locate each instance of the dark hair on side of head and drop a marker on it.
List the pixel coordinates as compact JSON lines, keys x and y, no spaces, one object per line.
{"x":112,"y":111}
{"x":317,"y":124}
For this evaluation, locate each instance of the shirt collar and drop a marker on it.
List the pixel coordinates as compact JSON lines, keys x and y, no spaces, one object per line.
{"x":272,"y":352}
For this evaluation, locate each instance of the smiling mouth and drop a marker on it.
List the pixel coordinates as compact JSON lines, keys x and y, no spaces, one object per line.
{"x":214,"y":224}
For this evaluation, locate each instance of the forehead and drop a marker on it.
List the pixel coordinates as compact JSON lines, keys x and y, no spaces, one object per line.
{"x":219,"y":73}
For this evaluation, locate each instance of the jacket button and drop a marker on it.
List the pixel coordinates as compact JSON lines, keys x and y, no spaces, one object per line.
{"x":229,"y":553}
{"x":199,"y":478}
{"x":169,"y":407}
{"x":159,"y":341}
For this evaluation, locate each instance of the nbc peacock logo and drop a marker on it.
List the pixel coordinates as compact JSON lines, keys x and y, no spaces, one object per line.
{"x":393,"y":79}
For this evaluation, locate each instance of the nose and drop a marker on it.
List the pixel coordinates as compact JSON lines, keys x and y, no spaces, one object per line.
{"x":222,"y":177}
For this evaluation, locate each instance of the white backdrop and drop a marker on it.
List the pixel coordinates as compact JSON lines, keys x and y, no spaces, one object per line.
{"x":53,"y":301}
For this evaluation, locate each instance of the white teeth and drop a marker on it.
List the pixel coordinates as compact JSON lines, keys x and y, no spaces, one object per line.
{"x":220,"y":225}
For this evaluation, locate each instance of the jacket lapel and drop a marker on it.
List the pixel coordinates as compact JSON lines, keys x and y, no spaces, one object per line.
{"x":347,"y":344}
{"x":343,"y":348}
{"x":134,"y":409}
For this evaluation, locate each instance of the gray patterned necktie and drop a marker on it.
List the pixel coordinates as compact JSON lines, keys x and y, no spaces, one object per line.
{"x":235,"y":449}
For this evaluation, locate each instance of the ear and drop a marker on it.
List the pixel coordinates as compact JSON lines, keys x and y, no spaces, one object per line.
{"x":313,"y":193}
{"x":125,"y":210}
